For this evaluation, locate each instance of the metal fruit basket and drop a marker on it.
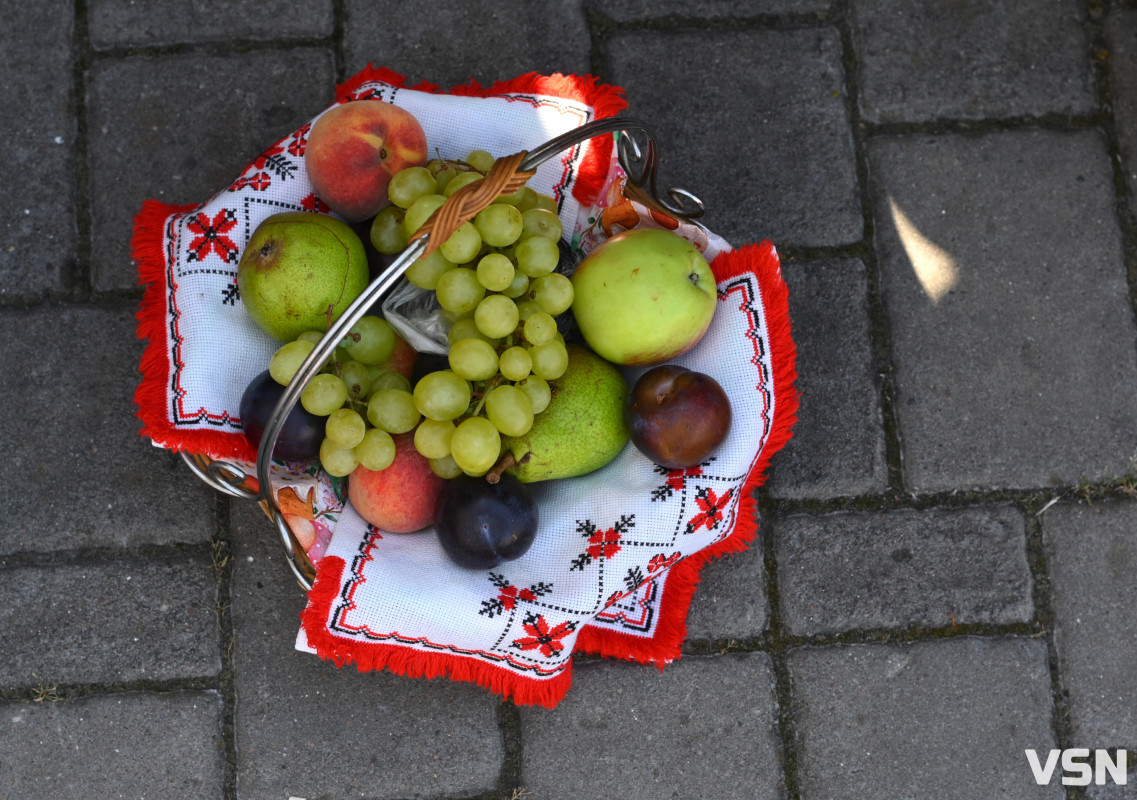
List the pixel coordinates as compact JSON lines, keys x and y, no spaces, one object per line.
{"x":637,"y":155}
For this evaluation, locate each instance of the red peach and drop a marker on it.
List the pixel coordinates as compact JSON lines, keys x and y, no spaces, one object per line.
{"x":353,"y":150}
{"x":402,"y":360}
{"x":401,"y":498}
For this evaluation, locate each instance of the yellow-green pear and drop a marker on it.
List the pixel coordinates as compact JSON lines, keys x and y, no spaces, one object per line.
{"x":583,"y":427}
{"x":299,"y":272}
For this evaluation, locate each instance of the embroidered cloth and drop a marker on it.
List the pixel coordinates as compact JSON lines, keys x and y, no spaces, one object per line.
{"x":617,"y":558}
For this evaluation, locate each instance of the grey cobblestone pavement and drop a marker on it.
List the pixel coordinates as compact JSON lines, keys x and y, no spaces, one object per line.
{"x":946,"y":569}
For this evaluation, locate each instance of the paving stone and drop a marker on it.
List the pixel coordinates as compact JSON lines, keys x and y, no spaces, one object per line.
{"x":463,"y":40}
{"x":704,"y":727}
{"x":1092,"y":559}
{"x":971,"y":59}
{"x":1109,"y":790}
{"x":731,"y":599}
{"x":119,"y":23}
{"x":75,"y":470}
{"x":307,"y":729}
{"x":179,"y":128}
{"x":118,"y":745}
{"x":903,"y":568}
{"x":38,"y":232}
{"x":941,"y":719}
{"x":141,"y":618}
{"x":757,"y":128}
{"x":1121,"y":37}
{"x":837,"y":449}
{"x":1014,"y":367}
{"x":632,"y":10}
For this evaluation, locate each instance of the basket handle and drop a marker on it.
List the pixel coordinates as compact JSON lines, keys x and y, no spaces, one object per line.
{"x":638,"y":159}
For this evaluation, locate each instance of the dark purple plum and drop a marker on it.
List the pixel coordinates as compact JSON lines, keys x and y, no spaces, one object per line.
{"x":302,"y":432}
{"x":481,"y":524}
{"x":677,"y":417}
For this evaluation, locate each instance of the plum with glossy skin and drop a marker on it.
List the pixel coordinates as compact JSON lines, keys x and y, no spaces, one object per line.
{"x":677,"y":417}
{"x":302,"y":432}
{"x":482,"y":524}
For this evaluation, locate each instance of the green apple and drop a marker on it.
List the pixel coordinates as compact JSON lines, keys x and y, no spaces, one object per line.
{"x":643,"y":297}
{"x":299,"y":272}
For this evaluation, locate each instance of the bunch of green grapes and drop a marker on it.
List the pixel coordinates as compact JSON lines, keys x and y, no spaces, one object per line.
{"x":496,"y":282}
{"x":345,"y":391}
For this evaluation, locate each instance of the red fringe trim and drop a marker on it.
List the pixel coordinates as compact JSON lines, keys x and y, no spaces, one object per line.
{"x":682,"y":579}
{"x":606,"y":100}
{"x":410,"y":663}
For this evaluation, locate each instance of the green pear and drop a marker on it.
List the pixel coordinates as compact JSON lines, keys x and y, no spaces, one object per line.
{"x":583,"y":427}
{"x":299,"y":272}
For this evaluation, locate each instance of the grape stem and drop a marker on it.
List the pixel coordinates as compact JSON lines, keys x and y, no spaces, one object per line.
{"x":503,"y":463}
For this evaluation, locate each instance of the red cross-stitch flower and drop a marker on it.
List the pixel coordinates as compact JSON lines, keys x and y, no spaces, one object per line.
{"x":601,"y":543}
{"x":676,"y":480}
{"x":604,"y":543}
{"x":313,"y":203}
{"x":710,"y":509}
{"x":510,"y":595}
{"x":209,"y":236}
{"x":543,"y":638}
{"x":299,"y":141}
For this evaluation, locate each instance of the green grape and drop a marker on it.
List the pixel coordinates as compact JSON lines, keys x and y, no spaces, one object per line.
{"x":383,"y":378}
{"x":547,"y":202}
{"x":538,"y":391}
{"x":443,"y":174}
{"x":337,"y":461}
{"x":460,"y":180}
{"x":553,"y":293}
{"x":445,"y":467}
{"x":496,"y":315}
{"x":537,"y":256}
{"x":518,"y":286}
{"x":376,"y":451}
{"x":425,"y":272}
{"x":539,"y":222}
{"x":442,"y":395}
{"x":286,"y":361}
{"x":526,"y":309}
{"x":466,"y":327}
{"x":357,"y":378}
{"x":370,"y":341}
{"x":480,"y":160}
{"x":509,"y":409}
{"x":387,"y":233}
{"x":463,"y":245}
{"x":345,"y":428}
{"x":499,"y":224}
{"x":540,"y":328}
{"x":420,"y":212}
{"x":312,"y":337}
{"x":323,"y":394}
{"x":393,"y":410}
{"x":409,"y":184}
{"x":458,"y":290}
{"x":473,"y":359}
{"x":432,"y":438}
{"x":549,"y":360}
{"x":523,"y":199}
{"x":475,"y":445}
{"x":495,"y":272}
{"x":515,"y":363}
